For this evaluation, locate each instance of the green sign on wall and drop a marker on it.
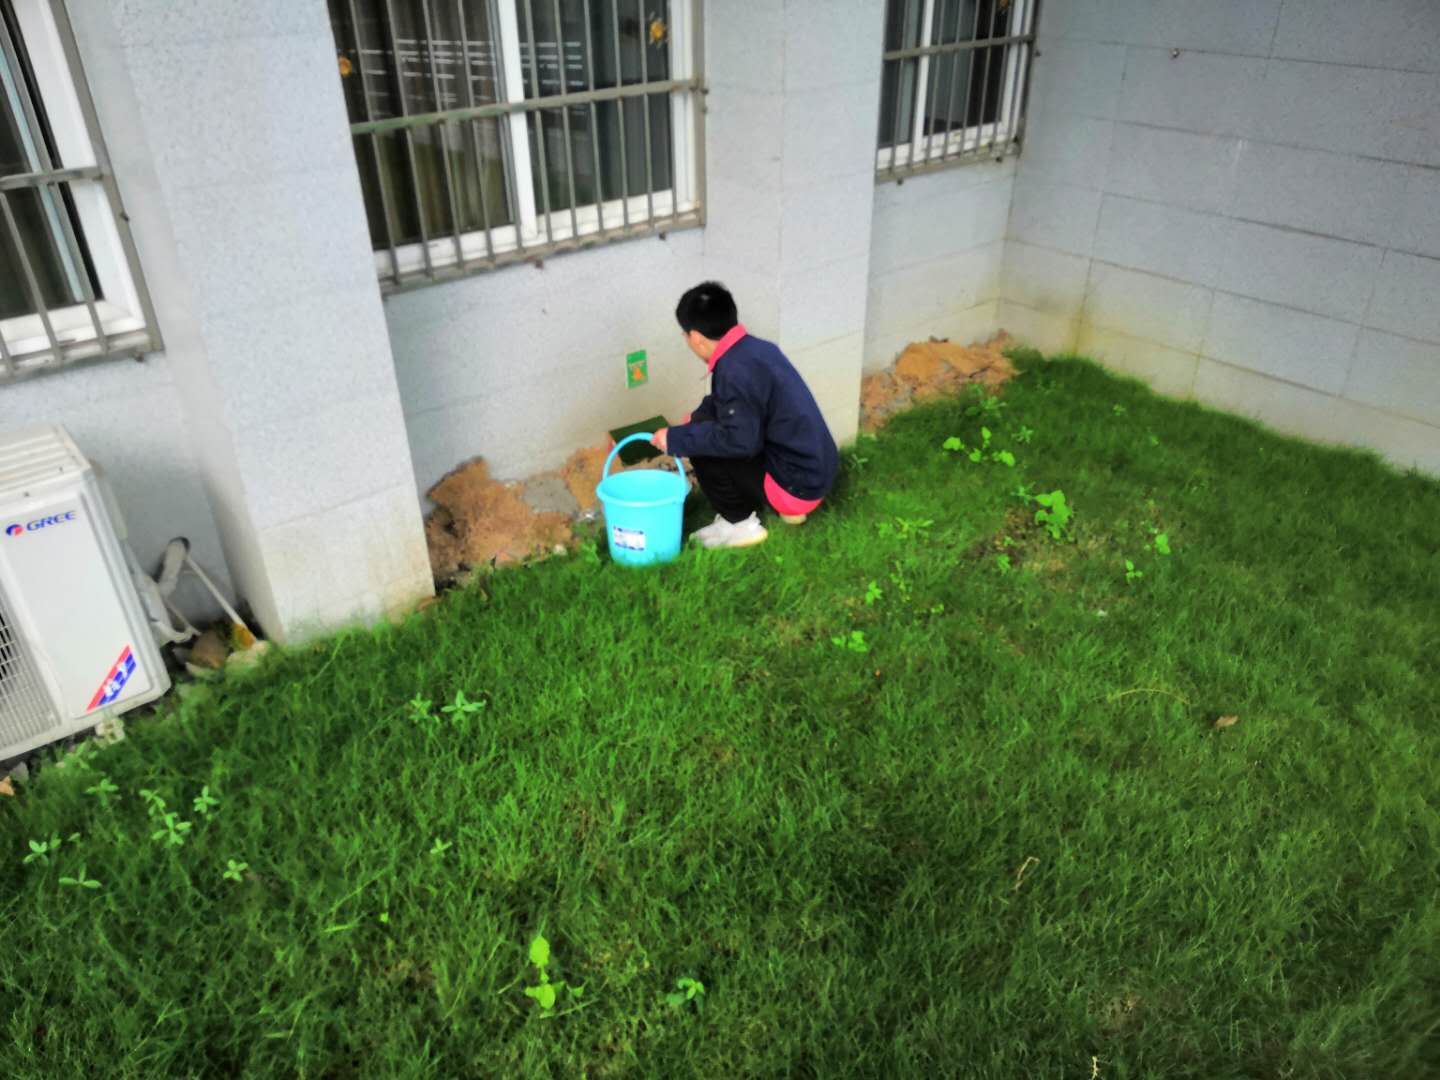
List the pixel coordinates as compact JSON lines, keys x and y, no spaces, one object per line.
{"x":636,"y":373}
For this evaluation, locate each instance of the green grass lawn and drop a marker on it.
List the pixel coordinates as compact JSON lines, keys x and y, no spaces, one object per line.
{"x":1007,"y":839}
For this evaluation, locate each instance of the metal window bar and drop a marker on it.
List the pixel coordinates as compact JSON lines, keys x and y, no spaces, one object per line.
{"x":464,"y":251}
{"x":75,"y":331}
{"x":987,"y":92}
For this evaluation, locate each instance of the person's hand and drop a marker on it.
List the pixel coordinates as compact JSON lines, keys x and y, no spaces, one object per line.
{"x":660,"y":438}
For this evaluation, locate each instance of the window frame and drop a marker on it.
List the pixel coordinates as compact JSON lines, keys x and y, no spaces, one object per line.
{"x":118,"y":320}
{"x":969,"y":143}
{"x":540,"y":233}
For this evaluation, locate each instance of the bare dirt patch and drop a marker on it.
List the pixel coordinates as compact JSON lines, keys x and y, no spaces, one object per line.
{"x":479,"y":521}
{"x":581,"y":472}
{"x":928,"y":369}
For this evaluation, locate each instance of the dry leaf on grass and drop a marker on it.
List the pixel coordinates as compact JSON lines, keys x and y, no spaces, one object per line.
{"x":6,"y":787}
{"x":1226,"y":721}
{"x":1030,"y":860}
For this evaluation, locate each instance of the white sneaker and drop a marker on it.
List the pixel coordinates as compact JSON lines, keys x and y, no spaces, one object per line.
{"x":740,"y":534}
{"x":713,"y":529}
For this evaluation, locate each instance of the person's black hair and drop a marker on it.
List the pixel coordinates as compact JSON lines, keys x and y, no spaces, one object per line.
{"x":708,"y":308}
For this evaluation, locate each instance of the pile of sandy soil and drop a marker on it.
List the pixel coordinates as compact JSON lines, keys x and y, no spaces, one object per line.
{"x":927,"y":369}
{"x":479,"y":521}
{"x":581,"y":472}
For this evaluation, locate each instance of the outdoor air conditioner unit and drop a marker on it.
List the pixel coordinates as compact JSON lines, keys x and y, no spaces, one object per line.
{"x":75,"y":643}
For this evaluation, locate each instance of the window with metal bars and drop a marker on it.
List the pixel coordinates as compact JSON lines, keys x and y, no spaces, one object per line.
{"x":491,"y":131}
{"x":954,"y":82}
{"x":70,"y":285}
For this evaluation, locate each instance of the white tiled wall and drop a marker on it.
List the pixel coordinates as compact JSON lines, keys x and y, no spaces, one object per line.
{"x":1237,"y":201}
{"x":231,"y":150}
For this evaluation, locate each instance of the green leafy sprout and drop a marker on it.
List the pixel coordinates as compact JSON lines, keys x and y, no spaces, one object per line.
{"x":1054,"y":514}
{"x":102,"y":789}
{"x":461,"y":707}
{"x":172,"y":830}
{"x":80,"y":881}
{"x":686,"y":990}
{"x":205,"y":802}
{"x":546,"y":991}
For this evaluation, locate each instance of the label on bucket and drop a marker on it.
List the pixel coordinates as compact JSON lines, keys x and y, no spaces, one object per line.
{"x":629,"y":539}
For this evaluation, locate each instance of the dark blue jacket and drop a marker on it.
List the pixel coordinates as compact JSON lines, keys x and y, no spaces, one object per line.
{"x":759,"y":405}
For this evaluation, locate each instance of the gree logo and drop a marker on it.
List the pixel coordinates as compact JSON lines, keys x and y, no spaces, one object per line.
{"x":39,"y":523}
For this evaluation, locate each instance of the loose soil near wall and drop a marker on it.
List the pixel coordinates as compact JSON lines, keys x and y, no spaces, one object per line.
{"x":481,"y":522}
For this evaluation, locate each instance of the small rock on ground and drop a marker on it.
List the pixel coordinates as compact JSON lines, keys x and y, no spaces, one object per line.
{"x":209,"y":650}
{"x":549,"y":494}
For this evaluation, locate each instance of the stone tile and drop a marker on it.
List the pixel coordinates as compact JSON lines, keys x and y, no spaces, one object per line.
{"x":1337,"y":195}
{"x":224,"y":111}
{"x":938,"y":228}
{"x":1079,"y":77}
{"x":1406,"y":444}
{"x":826,"y":222}
{"x":1051,"y":334}
{"x":261,"y":246}
{"x":826,"y":134}
{"x":1065,"y":148}
{"x":925,"y":291}
{"x":340,"y":566}
{"x":1235,"y":27}
{"x":1291,"y":409}
{"x":1416,"y":223}
{"x":745,"y":45}
{"x":743,"y":224}
{"x":1092,"y":20}
{"x":818,"y":306}
{"x":1048,"y":281}
{"x":1404,"y":303}
{"x":1179,"y":168}
{"x":1281,"y":342}
{"x":1059,"y":216}
{"x":1397,"y":374}
{"x":302,"y":358}
{"x":1397,"y":34}
{"x":744,"y":137}
{"x":1164,"y":240}
{"x":1166,"y":371}
{"x":1329,"y":107}
{"x":938,"y":188}
{"x":1207,"y":93}
{"x":832,"y":42}
{"x":145,"y":21}
{"x":293,"y":470}
{"x":1168,"y":312}
{"x":1314,"y":273}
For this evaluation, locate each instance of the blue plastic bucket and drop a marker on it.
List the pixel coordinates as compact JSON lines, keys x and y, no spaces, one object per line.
{"x":644,"y":511}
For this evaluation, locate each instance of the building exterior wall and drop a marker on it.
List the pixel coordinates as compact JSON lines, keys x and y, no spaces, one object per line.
{"x":937,"y":244}
{"x":522,"y":365}
{"x":1240,"y":202}
{"x":228,"y":136}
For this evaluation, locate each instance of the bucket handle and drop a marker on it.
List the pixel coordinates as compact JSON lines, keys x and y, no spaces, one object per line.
{"x":647,"y":436}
